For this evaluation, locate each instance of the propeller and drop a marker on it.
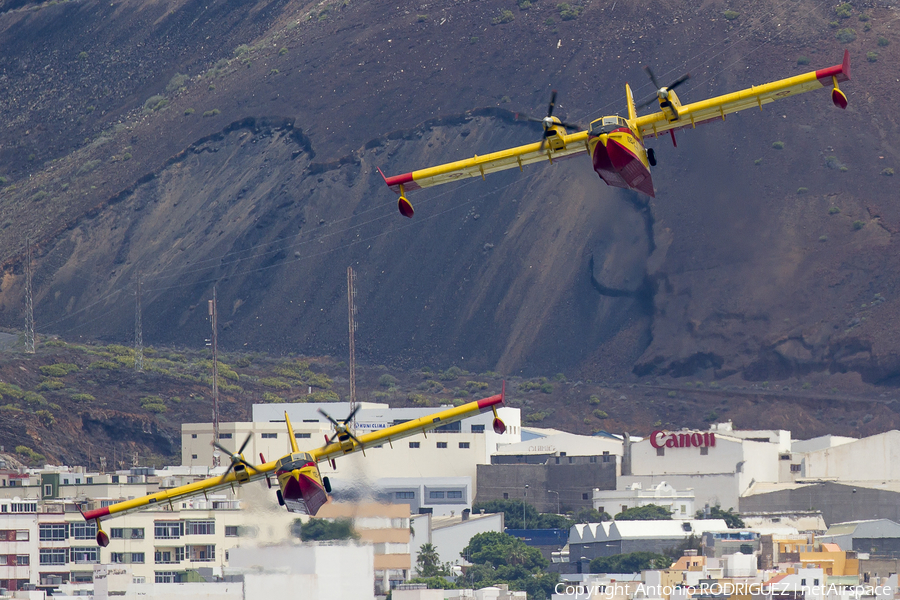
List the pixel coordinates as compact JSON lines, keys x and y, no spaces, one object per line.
{"x":662,"y":91}
{"x":236,"y":458}
{"x":548,"y":121}
{"x":341,"y":427}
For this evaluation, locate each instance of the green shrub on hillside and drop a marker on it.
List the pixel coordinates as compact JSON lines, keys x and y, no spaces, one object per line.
{"x":82,"y":397}
{"x":58,"y":369}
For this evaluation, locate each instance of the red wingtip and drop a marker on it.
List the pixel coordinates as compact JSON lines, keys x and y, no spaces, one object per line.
{"x":838,"y":98}
{"x":405,"y":207}
{"x":102,"y":538}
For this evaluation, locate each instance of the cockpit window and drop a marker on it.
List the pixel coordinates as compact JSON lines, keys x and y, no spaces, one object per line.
{"x":606,"y":125}
{"x":295,"y":461}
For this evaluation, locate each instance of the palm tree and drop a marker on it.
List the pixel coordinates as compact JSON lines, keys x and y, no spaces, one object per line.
{"x":428,"y":564}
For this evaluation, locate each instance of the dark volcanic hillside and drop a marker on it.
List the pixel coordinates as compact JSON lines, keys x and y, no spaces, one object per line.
{"x":236,"y":145}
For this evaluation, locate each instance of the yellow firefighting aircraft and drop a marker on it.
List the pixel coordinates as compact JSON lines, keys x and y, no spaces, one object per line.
{"x":302,"y":488}
{"x":614,"y":143}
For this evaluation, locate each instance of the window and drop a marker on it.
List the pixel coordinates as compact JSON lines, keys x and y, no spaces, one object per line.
{"x":600,"y":509}
{"x":86,"y":556}
{"x":660,"y":451}
{"x":193,"y":457}
{"x":585,"y":496}
{"x":231,"y":531}
{"x":48,"y":490}
{"x":23,"y":507}
{"x":84,"y":531}
{"x":302,"y":436}
{"x":193,"y":436}
{"x":169,"y":556}
{"x":435,"y":495}
{"x":201,"y":527}
{"x":442,"y":444}
{"x":54,"y":556}
{"x":477,"y":428}
{"x":224,"y":436}
{"x":137,"y":558}
{"x":795,"y":468}
{"x":454,"y":494}
{"x":270,"y":436}
{"x":116,"y":557}
{"x":168,"y":530}
{"x":414,"y":444}
{"x":53,"y":532}
{"x":202,"y":553}
{"x":13,"y":535}
{"x":127,"y":533}
{"x":593,"y":459}
{"x":464,"y":444}
{"x":506,"y":495}
{"x":704,"y":451}
{"x":684,"y":509}
{"x":802,"y":582}
{"x":167,"y":577}
{"x":23,"y":560}
{"x":404,"y":495}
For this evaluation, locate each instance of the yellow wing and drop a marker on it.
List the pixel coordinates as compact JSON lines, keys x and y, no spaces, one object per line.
{"x":691,"y":115}
{"x":558,"y":145}
{"x":353,"y":444}
{"x":239,"y":475}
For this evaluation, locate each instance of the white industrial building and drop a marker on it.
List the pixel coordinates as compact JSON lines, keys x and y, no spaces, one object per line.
{"x":679,"y":503}
{"x":716,"y":465}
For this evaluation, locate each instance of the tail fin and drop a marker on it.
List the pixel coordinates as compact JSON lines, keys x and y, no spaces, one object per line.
{"x":291,"y":437}
{"x":632,"y":112}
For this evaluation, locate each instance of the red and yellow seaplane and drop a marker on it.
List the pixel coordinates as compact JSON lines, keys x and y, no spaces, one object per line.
{"x":616,"y":144}
{"x":302,"y":489}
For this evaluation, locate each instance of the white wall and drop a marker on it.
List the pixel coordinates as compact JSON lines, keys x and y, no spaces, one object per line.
{"x":873,"y":458}
{"x":451,"y":540}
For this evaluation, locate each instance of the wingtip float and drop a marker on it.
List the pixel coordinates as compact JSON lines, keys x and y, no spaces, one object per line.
{"x":301,"y":486}
{"x":616,"y":144}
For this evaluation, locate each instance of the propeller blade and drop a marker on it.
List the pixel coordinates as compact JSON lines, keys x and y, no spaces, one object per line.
{"x":355,"y":439}
{"x":327,"y":416}
{"x":244,"y":445}
{"x":570,"y":125}
{"x":679,"y":81}
{"x":650,"y":100}
{"x":221,"y":447}
{"x":527,"y":118}
{"x":552,"y":104}
{"x":225,"y":474}
{"x":352,"y":414}
{"x":649,"y":72}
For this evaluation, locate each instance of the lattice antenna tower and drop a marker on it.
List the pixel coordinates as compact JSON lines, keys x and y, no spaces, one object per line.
{"x":138,"y":329}
{"x":29,"y":301}
{"x":213,"y":318}
{"x":352,"y":326}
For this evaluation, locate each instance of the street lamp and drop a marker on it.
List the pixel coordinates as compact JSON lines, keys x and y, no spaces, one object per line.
{"x":557,"y":499}
{"x":524,"y":494}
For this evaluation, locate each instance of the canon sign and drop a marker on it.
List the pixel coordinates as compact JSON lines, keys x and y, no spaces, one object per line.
{"x":688,"y":439}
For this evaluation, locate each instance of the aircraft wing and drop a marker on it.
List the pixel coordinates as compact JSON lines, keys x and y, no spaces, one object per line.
{"x":213,"y":484}
{"x":479,"y":166}
{"x":691,"y":115}
{"x":402,"y":430}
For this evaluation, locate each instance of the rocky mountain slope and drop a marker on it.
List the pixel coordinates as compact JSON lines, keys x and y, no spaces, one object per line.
{"x":235,"y":145}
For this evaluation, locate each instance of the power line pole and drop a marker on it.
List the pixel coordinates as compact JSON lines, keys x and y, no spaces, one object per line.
{"x":213,"y":317}
{"x":351,"y":319}
{"x":138,"y":329}
{"x":29,"y":301}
